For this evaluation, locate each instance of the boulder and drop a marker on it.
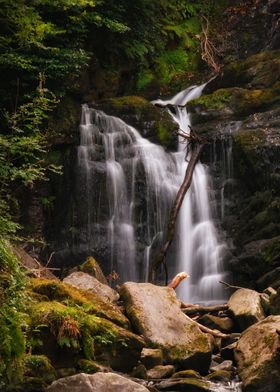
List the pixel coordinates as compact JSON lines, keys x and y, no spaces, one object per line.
{"x":84,"y":281}
{"x":98,"y":382}
{"x":91,"y":267}
{"x":245,"y":306}
{"x":151,"y":357}
{"x":155,"y":313}
{"x":257,"y":356}
{"x":161,"y":371}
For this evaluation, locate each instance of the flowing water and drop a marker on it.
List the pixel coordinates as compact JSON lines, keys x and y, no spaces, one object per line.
{"x":142,"y":181}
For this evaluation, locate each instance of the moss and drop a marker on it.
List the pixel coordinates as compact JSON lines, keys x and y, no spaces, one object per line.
{"x":248,"y":101}
{"x":186,"y":374}
{"x":73,"y":328}
{"x":39,"y":366}
{"x":90,"y":302}
{"x":220,"y":375}
{"x":216,"y":101}
{"x":144,"y":79}
{"x":133,"y":100}
{"x":88,"y":366}
{"x":272,"y":252}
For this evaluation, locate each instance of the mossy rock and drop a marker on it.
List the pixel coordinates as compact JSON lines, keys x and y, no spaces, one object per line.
{"x":220,"y":375}
{"x":237,"y":101}
{"x":151,"y":122}
{"x":90,"y":302}
{"x":89,"y":366}
{"x":91,"y":267}
{"x":38,"y":371}
{"x":189,"y":373}
{"x":74,"y":334}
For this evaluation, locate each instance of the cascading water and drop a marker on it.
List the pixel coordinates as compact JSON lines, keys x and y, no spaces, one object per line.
{"x":141,"y":184}
{"x":199,"y":251}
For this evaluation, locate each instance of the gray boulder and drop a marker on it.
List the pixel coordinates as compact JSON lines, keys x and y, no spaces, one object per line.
{"x":257,"y":356}
{"x":155,"y":313}
{"x":98,"y":382}
{"x":84,"y":281}
{"x":246,"y":308}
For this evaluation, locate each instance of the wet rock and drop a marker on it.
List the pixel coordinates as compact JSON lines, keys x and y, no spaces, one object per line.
{"x":223,"y":324}
{"x":161,"y":371}
{"x":152,"y":122}
{"x":85,"y":281}
{"x":98,"y":382}
{"x":257,"y":356}
{"x":189,"y":373}
{"x":185,"y":384}
{"x":225,"y":365}
{"x":221,"y":375}
{"x":151,"y":357}
{"x":155,"y":312}
{"x":91,"y":267}
{"x":245,"y":306}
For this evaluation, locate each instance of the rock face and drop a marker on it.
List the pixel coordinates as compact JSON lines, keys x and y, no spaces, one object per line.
{"x":245,"y":305}
{"x":257,"y":356}
{"x":98,"y":382}
{"x":84,"y":281}
{"x":155,"y":313}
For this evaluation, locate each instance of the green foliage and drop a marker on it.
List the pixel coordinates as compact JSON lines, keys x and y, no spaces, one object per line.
{"x":12,"y":338}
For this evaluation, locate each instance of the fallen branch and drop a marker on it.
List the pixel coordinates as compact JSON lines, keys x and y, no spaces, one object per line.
{"x":229,"y":286}
{"x":175,"y":211}
{"x":178,"y":279}
{"x":193,"y":309}
{"x":213,"y":332}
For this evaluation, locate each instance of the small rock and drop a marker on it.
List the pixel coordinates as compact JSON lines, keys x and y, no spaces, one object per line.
{"x":265,"y":302}
{"x":161,"y":371}
{"x":245,"y":306}
{"x":98,"y":382}
{"x":225,"y":365}
{"x":221,"y":375}
{"x":151,"y":357}
{"x":184,"y":384}
{"x":189,"y":373}
{"x":139,"y":372}
{"x":84,"y":281}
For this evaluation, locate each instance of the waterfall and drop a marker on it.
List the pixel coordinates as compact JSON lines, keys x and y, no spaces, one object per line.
{"x":138,"y":183}
{"x":199,"y":252}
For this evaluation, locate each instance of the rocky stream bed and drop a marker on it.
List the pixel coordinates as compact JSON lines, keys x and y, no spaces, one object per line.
{"x":88,"y":337}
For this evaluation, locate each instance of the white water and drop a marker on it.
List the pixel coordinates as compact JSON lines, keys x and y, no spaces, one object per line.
{"x":142,"y":181}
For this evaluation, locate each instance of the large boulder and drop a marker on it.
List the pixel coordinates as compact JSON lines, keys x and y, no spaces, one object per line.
{"x":246,"y":308}
{"x":155,"y":313}
{"x":84,"y":281}
{"x":257,"y":356}
{"x":98,"y":382}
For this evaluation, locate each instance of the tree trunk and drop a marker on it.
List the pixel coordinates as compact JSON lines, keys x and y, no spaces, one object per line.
{"x":175,"y":211}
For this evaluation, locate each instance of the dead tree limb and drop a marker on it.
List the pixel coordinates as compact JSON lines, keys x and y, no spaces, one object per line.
{"x":178,"y":279}
{"x":229,"y":286}
{"x":175,"y":210}
{"x":214,"y":332}
{"x":189,"y":310}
